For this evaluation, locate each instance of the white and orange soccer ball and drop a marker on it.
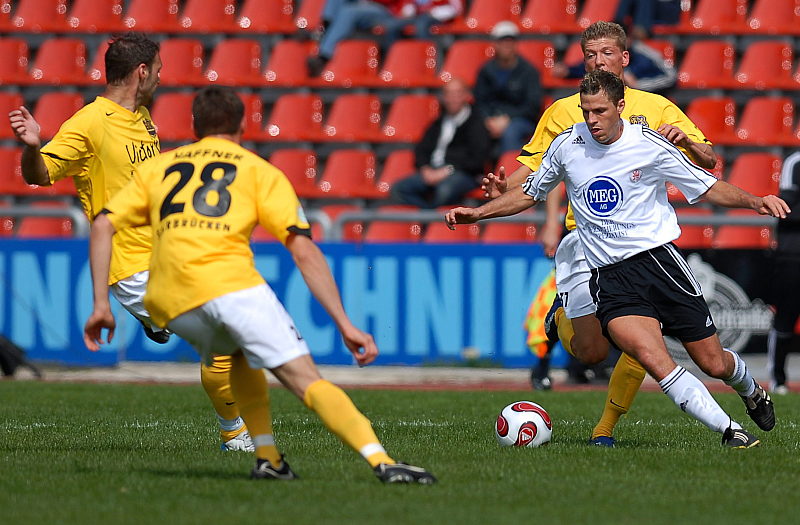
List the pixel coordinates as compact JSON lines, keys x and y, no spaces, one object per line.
{"x":523,"y":424}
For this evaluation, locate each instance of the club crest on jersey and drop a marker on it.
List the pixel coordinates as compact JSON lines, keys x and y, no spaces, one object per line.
{"x":636,"y":175}
{"x":603,"y":196}
{"x":639,"y":119}
{"x":148,"y":125}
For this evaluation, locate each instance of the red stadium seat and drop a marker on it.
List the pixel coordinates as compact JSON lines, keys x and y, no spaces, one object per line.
{"x":236,"y":62}
{"x":464,"y":60}
{"x":44,"y":227}
{"x":393,"y":231}
{"x":409,"y":117}
{"x":287,"y":64}
{"x":542,"y":55}
{"x":348,"y":174}
{"x":53,"y":109}
{"x":775,"y":17}
{"x":439,"y":233}
{"x":595,"y":10}
{"x":410,"y":64}
{"x":96,"y":74}
{"x":209,"y":16}
{"x":183,"y":62}
{"x":550,"y":16}
{"x":716,"y":118}
{"x":354,"y":117}
{"x":253,"y":116}
{"x":354,"y":64}
{"x":758,"y":173}
{"x":717,"y":17}
{"x":14,"y":57}
{"x":666,"y":48}
{"x":766,"y":121}
{"x":398,"y":165}
{"x":152,"y":16}
{"x":40,"y":16}
{"x":172,"y":114}
{"x":484,"y":14}
{"x":508,"y":160}
{"x":5,"y":16}
{"x":508,"y":232}
{"x":8,"y":102}
{"x":96,"y":16}
{"x":351,"y":231}
{"x":296,"y":117}
{"x":300,"y":167}
{"x":742,"y":237}
{"x":266,"y":16}
{"x":309,"y":16}
{"x":60,"y":61}
{"x":767,"y":65}
{"x":12,"y":183}
{"x":694,"y":236}
{"x":707,"y":64}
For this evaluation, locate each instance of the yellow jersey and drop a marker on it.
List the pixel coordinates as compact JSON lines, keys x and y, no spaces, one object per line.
{"x":99,"y":147}
{"x":203,"y":201}
{"x":641,"y":107}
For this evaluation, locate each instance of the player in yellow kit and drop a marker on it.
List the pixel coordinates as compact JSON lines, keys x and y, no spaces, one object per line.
{"x":99,"y":147}
{"x":203,"y":201}
{"x":604,"y":46}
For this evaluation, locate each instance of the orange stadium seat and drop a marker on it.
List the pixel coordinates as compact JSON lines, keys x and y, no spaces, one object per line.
{"x":438,"y":232}
{"x":508,"y":161}
{"x":666,"y":48}
{"x":742,"y":237}
{"x":542,"y":55}
{"x":53,"y":109}
{"x":482,"y":16}
{"x":766,"y":121}
{"x":6,"y":226}
{"x":96,"y":16}
{"x":767,"y":65}
{"x":398,"y":165}
{"x":550,"y":16}
{"x":309,"y":16}
{"x":694,"y":236}
{"x":253,"y":116}
{"x":595,"y":10}
{"x":408,"y":117}
{"x":464,"y":60}
{"x":287,"y":64}
{"x":775,"y":17}
{"x":8,"y":101}
{"x":5,"y":16}
{"x":14,"y":58}
{"x":209,"y":16}
{"x":716,"y":118}
{"x":351,"y":231}
{"x":707,"y":64}
{"x":300,"y":167}
{"x":296,"y":116}
{"x":12,"y":183}
{"x":354,"y":117}
{"x":236,"y":62}
{"x":717,"y":17}
{"x":96,"y":74}
{"x":758,"y":173}
{"x":508,"y":232}
{"x":394,"y":231}
{"x":183,"y":62}
{"x":60,"y":61}
{"x":266,"y":16}
{"x":354,"y":64}
{"x":152,"y":16}
{"x":349,"y":173}
{"x":44,"y":227}
{"x":172,"y":115}
{"x":40,"y":16}
{"x":410,"y":64}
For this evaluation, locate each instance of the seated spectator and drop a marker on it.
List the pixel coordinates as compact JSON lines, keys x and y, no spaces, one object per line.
{"x":342,"y":18}
{"x":508,"y":93}
{"x":451,"y":157}
{"x":641,"y":15}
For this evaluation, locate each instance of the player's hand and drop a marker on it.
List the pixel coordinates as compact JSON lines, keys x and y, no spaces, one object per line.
{"x":494,"y":184}
{"x":360,"y":344}
{"x":460,"y":216}
{"x":773,"y":206}
{"x":550,"y":237}
{"x":93,"y":330}
{"x":674,"y":135}
{"x":25,"y":128}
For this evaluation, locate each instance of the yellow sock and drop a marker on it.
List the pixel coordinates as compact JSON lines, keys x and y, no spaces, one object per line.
{"x":341,"y":416}
{"x":565,"y":330}
{"x":250,"y":389}
{"x":622,"y":387}
{"x":216,"y":382}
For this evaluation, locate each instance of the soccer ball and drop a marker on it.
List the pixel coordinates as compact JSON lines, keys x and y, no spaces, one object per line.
{"x":523,"y":424}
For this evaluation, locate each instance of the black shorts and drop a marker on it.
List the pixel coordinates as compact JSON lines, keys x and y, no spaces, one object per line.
{"x":656,"y":283}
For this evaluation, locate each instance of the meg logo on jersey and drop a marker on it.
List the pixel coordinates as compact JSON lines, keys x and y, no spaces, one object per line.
{"x":603,"y":196}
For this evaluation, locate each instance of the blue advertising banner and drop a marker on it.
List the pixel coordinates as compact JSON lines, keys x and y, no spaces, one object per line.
{"x":423,"y":303}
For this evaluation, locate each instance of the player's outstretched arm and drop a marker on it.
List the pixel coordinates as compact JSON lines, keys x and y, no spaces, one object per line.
{"x":495,"y":184}
{"x":312,"y":264}
{"x":730,"y":196}
{"x":100,"y":260}
{"x":27,"y":131}
{"x":510,"y":203}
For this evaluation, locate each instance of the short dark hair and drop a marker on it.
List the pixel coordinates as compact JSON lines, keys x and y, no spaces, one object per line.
{"x":125,"y":53}
{"x":605,"y":81}
{"x":603,"y":29}
{"x":217,"y":110}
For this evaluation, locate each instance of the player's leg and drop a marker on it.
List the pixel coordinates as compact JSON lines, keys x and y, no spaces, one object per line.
{"x":625,"y":381}
{"x":130,"y":294}
{"x":787,"y":309}
{"x":216,"y":381}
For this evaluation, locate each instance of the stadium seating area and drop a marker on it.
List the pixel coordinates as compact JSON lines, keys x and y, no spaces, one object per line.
{"x":345,"y":137}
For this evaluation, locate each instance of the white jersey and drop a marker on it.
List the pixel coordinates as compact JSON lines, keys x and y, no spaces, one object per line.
{"x":618,"y":190}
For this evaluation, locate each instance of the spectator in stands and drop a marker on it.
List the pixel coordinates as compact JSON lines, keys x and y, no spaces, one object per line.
{"x":641,"y":15}
{"x":451,"y":156}
{"x":341,"y":18}
{"x":508,"y":93}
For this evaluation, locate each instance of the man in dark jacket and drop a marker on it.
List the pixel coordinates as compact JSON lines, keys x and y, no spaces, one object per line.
{"x":451,"y":157}
{"x":508,"y":92}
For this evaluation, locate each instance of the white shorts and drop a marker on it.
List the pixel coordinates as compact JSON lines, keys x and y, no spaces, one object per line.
{"x":130,"y":294}
{"x":572,"y":277}
{"x":252,"y":320}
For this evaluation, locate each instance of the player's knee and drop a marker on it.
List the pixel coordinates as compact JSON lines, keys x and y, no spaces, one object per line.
{"x":714,"y":366}
{"x":590,"y":351}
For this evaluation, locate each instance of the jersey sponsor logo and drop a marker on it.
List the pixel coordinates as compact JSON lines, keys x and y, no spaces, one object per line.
{"x":639,"y":119}
{"x":578,"y":140}
{"x":636,"y":175}
{"x":603,"y":196}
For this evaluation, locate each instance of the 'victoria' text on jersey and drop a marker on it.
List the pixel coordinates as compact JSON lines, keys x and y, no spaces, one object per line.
{"x":142,"y":151}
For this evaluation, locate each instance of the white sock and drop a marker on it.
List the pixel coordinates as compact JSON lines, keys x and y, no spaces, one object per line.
{"x":740,"y":380}
{"x":693,"y":397}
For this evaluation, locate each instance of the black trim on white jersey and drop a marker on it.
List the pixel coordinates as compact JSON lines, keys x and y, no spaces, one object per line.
{"x":526,"y":186}
{"x":660,"y":140}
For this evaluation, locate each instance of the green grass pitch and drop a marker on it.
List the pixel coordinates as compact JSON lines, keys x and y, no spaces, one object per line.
{"x":96,"y":453}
